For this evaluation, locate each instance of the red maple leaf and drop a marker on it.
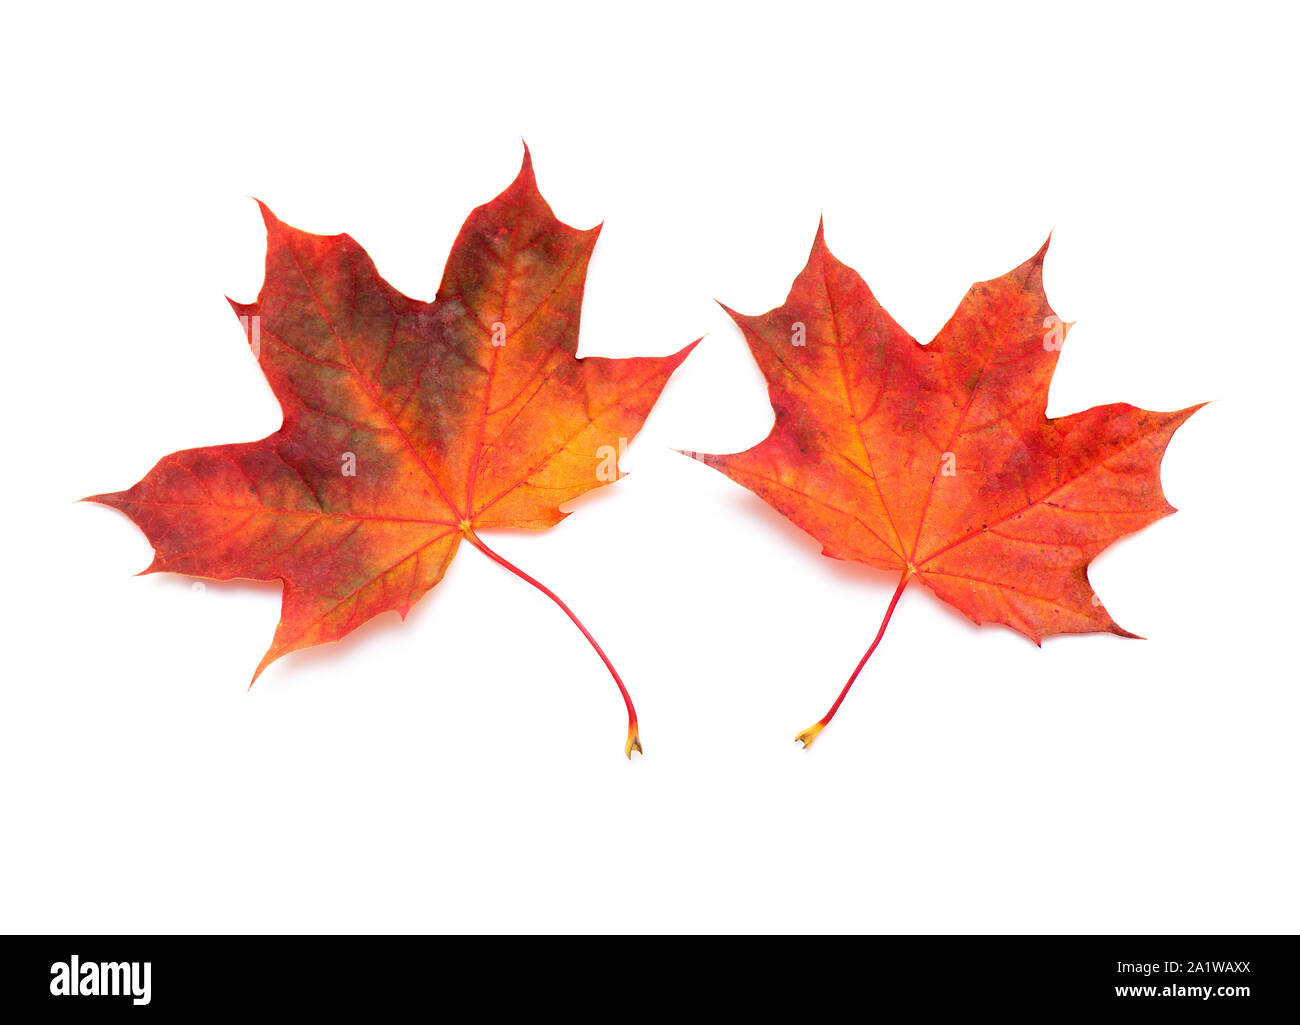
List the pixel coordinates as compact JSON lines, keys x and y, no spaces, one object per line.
{"x":408,"y":426}
{"x":938,"y":461}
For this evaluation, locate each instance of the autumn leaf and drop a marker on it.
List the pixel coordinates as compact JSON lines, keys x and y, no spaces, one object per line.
{"x":408,"y":426}
{"x":938,"y":461}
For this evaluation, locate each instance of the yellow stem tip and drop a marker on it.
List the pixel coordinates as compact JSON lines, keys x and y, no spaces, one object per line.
{"x":807,"y":737}
{"x":633,"y":741}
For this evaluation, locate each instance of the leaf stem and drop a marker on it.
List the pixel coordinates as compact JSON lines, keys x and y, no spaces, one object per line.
{"x":810,"y":734}
{"x":633,"y":736}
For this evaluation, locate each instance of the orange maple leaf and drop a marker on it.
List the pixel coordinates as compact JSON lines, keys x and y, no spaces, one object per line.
{"x":408,"y":426}
{"x":938,"y":461}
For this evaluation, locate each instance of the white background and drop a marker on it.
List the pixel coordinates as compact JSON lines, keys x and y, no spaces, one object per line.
{"x":464,"y":771}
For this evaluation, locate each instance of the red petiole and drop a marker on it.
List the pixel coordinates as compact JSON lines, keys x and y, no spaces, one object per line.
{"x":633,"y":737}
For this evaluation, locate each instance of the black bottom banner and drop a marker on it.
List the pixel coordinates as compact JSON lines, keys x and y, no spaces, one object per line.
{"x":167,"y":977}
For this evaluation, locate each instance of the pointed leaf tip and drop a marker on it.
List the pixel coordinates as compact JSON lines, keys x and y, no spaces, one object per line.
{"x":741,"y":319}
{"x":527,"y":176}
{"x":268,"y":217}
{"x":819,"y":240}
